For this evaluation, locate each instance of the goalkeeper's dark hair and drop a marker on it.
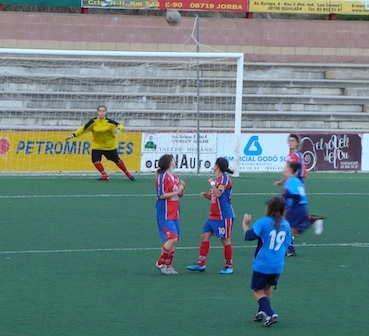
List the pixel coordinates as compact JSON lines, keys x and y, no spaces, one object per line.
{"x":275,"y":209}
{"x":164,"y":163}
{"x":222,"y":163}
{"x":103,"y":107}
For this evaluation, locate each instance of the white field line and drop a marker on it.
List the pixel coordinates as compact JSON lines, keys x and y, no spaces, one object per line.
{"x":135,"y":249}
{"x":359,"y":245}
{"x":153,"y":195}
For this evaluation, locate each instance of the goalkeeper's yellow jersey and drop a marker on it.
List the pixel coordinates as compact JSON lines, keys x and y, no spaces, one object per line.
{"x":103,"y":133}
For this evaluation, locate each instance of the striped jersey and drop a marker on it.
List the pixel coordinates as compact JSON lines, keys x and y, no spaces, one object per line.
{"x":167,"y":209}
{"x":297,"y":156}
{"x":221,"y":208}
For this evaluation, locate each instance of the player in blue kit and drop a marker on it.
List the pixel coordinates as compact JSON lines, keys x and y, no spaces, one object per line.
{"x":296,"y":203}
{"x":295,"y":155}
{"x":274,"y":236}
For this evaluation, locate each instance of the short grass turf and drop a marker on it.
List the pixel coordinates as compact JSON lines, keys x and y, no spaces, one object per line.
{"x":78,"y":258}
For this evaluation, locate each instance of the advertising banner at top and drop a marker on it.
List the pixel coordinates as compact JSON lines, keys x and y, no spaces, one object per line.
{"x":310,"y":7}
{"x":198,"y":5}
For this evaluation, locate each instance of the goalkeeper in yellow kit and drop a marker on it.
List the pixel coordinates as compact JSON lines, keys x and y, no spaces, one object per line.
{"x":104,"y":143}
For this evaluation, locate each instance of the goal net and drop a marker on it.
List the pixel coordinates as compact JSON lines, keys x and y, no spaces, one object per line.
{"x":185,"y":104}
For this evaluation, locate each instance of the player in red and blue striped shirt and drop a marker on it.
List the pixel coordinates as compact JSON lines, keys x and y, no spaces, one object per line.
{"x":294,"y":155}
{"x":168,"y":190}
{"x":220,"y":219}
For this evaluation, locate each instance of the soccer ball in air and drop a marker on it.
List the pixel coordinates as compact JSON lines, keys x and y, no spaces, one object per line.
{"x":173,"y":17}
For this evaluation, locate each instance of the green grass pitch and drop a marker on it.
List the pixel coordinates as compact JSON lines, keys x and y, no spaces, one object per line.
{"x":78,"y":259}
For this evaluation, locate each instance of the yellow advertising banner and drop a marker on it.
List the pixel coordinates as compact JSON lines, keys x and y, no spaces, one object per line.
{"x":47,"y":151}
{"x":310,"y":7}
{"x":200,"y":5}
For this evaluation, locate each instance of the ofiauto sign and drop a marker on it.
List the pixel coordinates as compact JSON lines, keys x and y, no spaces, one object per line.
{"x":183,"y":147}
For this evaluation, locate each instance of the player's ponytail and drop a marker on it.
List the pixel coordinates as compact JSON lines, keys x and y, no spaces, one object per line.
{"x":164,"y":163}
{"x":222,"y":164}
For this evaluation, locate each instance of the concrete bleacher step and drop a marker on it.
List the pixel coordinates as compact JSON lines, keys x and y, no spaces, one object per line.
{"x":359,"y":92}
{"x":173,"y":86}
{"x":250,"y":103}
{"x":348,"y":74}
{"x":183,"y":107}
{"x":134,"y":124}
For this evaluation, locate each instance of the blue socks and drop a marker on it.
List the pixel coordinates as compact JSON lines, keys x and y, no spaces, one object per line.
{"x":264,"y":305}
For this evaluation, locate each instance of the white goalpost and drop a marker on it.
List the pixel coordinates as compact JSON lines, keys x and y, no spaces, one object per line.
{"x":185,"y":104}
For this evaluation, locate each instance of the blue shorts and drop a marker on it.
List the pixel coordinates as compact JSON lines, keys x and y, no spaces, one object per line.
{"x":220,"y":228}
{"x":260,"y":280}
{"x":168,"y":229}
{"x":297,"y":216}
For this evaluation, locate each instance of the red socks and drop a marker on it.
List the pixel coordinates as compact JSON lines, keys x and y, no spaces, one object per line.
{"x":228,"y":254}
{"x":100,"y":168}
{"x":166,"y":257}
{"x":123,"y":167}
{"x":203,"y":253}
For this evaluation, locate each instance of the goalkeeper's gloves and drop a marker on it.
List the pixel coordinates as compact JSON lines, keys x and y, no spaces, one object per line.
{"x":117,"y":131}
{"x":69,"y":137}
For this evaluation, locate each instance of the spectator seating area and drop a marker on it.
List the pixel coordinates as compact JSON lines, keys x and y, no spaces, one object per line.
{"x":278,"y":97}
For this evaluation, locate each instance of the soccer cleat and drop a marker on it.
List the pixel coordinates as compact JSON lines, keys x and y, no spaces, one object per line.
{"x":318,"y":226}
{"x":104,"y":178}
{"x":226,"y":270}
{"x":314,"y":218}
{"x":158,"y":266}
{"x":291,"y":254}
{"x":167,"y":270}
{"x":270,"y":320}
{"x":132,"y":178}
{"x":196,"y":268}
{"x":260,"y":316}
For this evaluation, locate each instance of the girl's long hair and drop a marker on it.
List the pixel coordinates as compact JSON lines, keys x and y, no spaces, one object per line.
{"x":222,"y":163}
{"x":276,"y":207}
{"x":164,"y":163}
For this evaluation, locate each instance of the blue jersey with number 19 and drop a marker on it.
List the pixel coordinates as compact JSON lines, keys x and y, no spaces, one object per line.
{"x":269,"y":258}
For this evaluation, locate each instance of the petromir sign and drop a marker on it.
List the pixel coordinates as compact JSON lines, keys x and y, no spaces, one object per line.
{"x":23,"y":151}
